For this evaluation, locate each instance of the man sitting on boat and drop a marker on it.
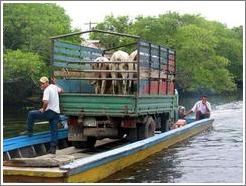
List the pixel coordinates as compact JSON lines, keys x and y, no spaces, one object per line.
{"x":202,"y":108}
{"x":50,"y":111}
{"x":181,"y":118}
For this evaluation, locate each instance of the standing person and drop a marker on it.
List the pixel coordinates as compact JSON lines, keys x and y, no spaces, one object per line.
{"x":50,"y":111}
{"x":202,"y":108}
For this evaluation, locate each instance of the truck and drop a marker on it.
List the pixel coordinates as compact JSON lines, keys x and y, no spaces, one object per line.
{"x":150,"y":107}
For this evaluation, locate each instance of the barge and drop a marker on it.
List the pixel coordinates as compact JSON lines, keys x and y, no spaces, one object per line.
{"x":72,"y":165}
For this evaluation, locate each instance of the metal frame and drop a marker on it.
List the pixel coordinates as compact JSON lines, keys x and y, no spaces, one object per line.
{"x":159,"y":77}
{"x":167,"y":71}
{"x":95,"y":30}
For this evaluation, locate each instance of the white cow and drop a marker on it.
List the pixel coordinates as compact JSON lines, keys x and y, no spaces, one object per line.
{"x":119,"y":56}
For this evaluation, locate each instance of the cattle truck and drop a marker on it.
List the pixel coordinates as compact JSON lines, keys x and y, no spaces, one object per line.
{"x":150,"y":107}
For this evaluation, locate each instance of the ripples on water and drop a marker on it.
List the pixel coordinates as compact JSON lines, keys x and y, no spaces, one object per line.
{"x":214,"y":156}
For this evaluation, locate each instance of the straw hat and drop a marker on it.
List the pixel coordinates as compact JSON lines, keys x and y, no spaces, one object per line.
{"x":44,"y":79}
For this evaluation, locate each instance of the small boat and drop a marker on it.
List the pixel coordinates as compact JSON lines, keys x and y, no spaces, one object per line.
{"x":84,"y":165}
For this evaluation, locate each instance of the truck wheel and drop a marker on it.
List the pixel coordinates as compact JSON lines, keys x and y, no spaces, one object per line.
{"x":90,"y":142}
{"x":132,"y":134}
{"x":147,"y":129}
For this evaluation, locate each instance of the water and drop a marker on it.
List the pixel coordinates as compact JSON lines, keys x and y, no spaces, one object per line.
{"x":14,"y":121}
{"x":214,"y":156}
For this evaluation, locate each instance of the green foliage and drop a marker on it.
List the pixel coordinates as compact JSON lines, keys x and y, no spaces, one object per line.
{"x":120,"y":25}
{"x":159,"y":30}
{"x":209,"y":55}
{"x":26,"y":38}
{"x":230,"y":45}
{"x":199,"y":62}
{"x":21,"y":73}
{"x":28,"y":26}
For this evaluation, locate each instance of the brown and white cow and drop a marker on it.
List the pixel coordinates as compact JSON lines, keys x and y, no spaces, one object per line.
{"x":119,"y":56}
{"x":100,"y":84}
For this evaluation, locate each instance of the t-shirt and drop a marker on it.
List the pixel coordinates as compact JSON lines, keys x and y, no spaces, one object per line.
{"x":201,"y":107}
{"x":51,"y":95}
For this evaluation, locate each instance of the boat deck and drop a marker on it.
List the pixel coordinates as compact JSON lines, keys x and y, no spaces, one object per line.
{"x":65,"y":155}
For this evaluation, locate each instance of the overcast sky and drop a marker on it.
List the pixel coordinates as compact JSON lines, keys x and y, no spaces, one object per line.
{"x":230,"y":13}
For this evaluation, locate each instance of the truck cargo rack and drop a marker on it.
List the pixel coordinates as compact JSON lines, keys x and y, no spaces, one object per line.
{"x":155,"y":73}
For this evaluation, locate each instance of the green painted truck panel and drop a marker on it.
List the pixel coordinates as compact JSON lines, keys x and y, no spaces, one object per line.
{"x":115,"y":105}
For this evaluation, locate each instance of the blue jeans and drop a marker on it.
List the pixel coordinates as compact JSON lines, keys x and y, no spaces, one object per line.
{"x":49,"y":115}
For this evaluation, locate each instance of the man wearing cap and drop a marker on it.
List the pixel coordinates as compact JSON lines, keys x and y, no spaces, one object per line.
{"x":202,"y":108}
{"x":50,"y":111}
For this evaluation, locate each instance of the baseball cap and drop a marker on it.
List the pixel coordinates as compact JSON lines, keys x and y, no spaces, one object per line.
{"x":44,"y":79}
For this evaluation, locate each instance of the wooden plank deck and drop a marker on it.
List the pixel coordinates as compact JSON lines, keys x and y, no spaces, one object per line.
{"x":62,"y":156}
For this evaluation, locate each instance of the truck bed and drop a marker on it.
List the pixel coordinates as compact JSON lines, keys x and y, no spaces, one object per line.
{"x":115,"y":105}
{"x":153,"y":79}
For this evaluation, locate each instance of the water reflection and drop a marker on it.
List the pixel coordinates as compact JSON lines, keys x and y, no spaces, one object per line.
{"x":14,"y":121}
{"x":214,"y":156}
{"x":162,"y":167}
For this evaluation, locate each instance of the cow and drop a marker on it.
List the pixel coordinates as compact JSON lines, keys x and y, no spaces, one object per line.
{"x":100,"y":85}
{"x":119,"y":56}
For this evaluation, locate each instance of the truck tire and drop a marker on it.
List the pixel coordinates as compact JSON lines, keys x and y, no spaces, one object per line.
{"x":132,"y":135}
{"x":89,"y":143}
{"x":147,"y":129}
